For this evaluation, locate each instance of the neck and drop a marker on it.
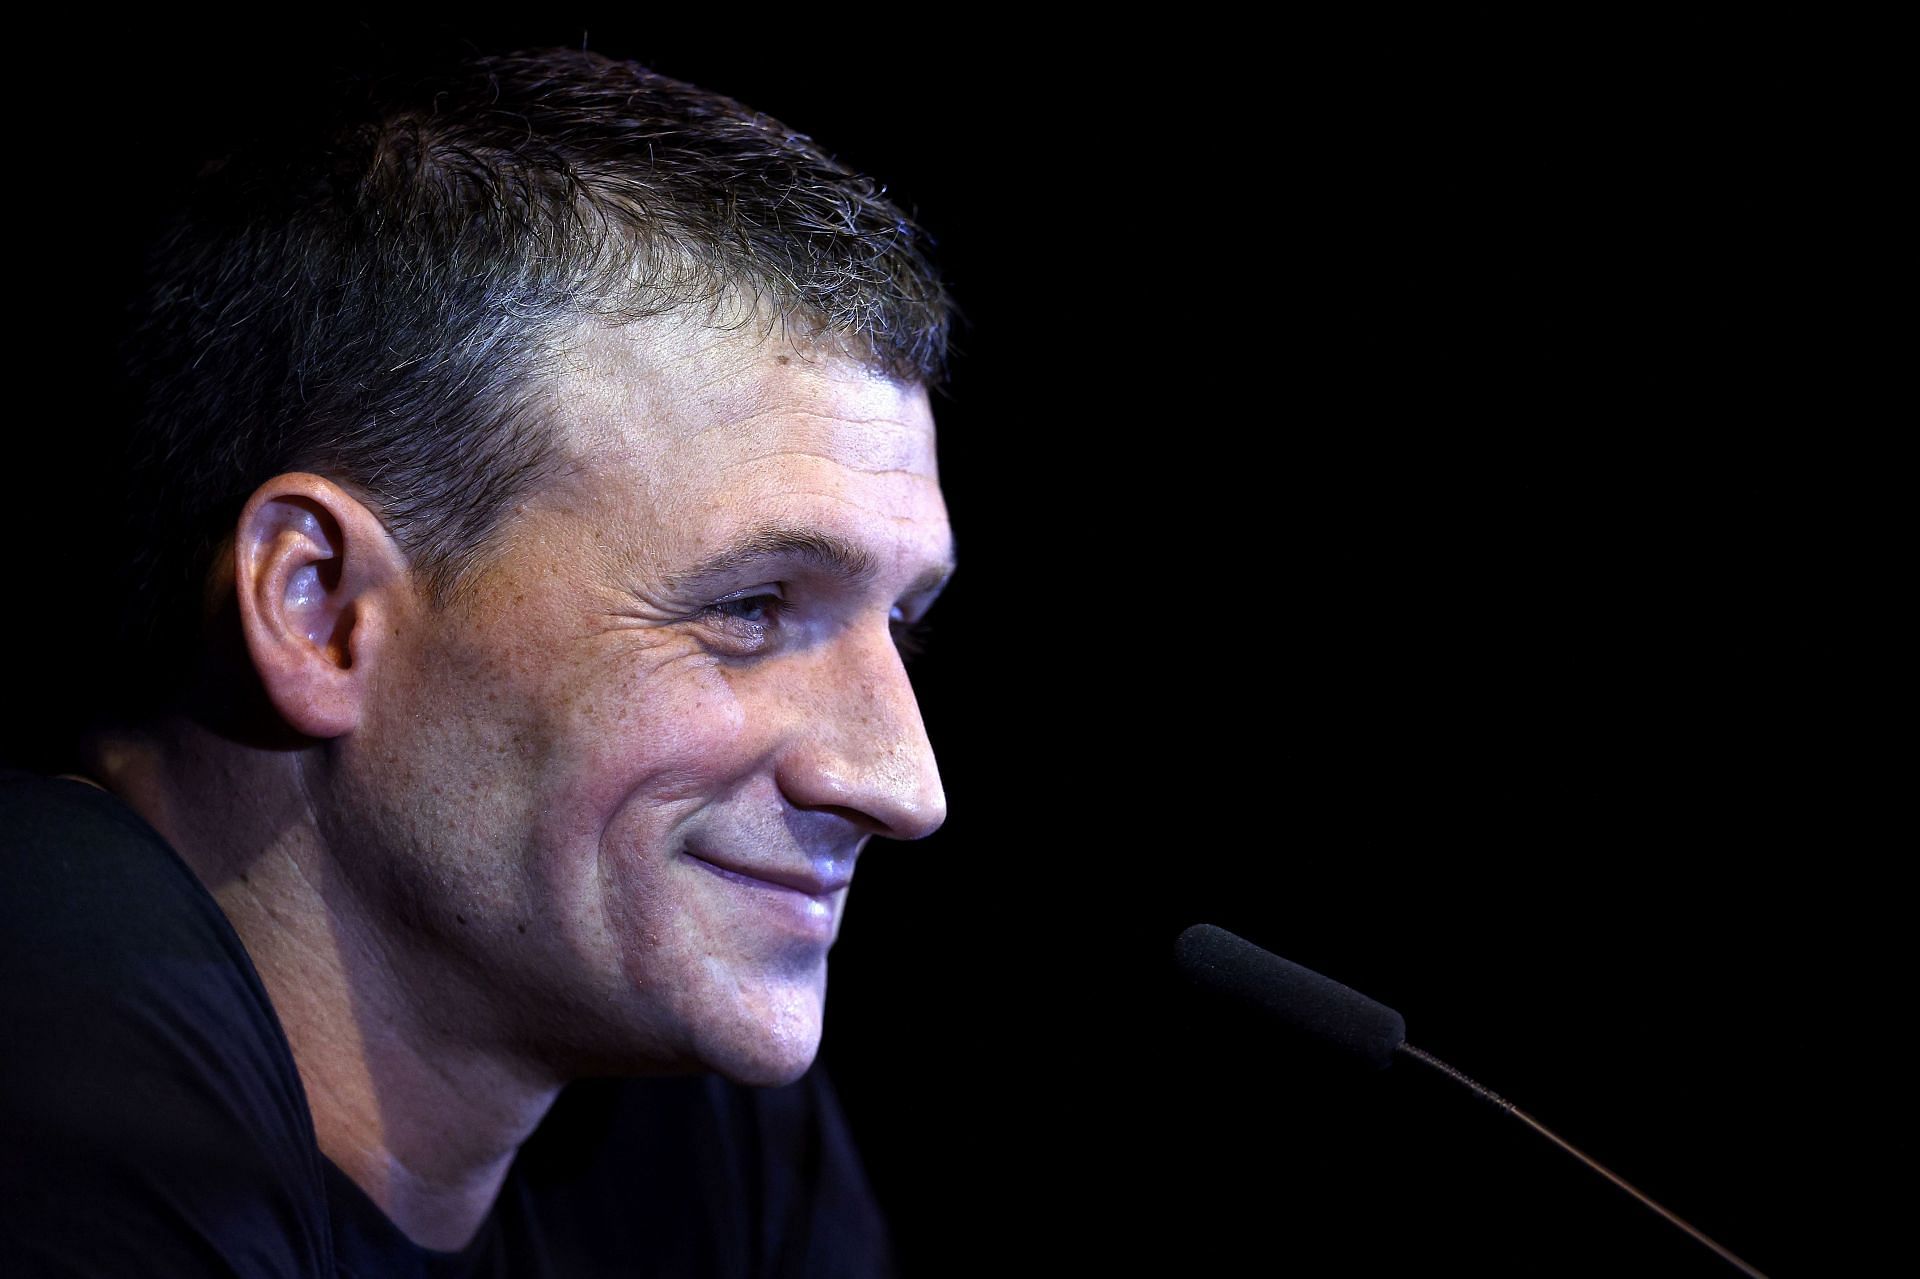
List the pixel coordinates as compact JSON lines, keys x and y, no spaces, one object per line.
{"x":423,"y":1118}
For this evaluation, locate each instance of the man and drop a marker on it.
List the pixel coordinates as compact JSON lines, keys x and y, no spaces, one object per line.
{"x":538,"y":475}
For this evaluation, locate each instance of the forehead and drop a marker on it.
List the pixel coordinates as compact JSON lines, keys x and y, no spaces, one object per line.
{"x":687,"y":432}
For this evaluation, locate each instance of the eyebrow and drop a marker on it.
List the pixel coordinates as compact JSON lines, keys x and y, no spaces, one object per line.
{"x":814,"y":547}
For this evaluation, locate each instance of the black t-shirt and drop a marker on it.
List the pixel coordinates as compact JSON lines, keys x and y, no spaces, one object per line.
{"x":152,"y":1121}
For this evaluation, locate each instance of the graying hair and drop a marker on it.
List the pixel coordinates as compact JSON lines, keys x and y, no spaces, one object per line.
{"x":376,"y":294}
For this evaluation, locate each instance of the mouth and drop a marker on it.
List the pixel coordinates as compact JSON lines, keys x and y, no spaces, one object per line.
{"x":802,"y":883}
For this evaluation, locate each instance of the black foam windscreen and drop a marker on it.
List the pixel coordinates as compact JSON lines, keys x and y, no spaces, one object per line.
{"x":1314,"y":1005}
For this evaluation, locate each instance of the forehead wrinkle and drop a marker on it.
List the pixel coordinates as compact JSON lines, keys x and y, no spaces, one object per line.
{"x":880,"y":443}
{"x":657,"y":385}
{"x":730,"y":384}
{"x":756,"y":458}
{"x":790,"y":411}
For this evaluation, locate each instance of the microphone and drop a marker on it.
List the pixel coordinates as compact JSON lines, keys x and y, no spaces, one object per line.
{"x":1320,"y":1007}
{"x":1362,"y":1029}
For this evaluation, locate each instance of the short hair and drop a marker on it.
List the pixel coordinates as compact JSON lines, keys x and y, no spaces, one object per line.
{"x":375,"y":293}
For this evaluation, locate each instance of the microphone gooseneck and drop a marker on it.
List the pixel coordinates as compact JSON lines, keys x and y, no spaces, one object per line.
{"x":1362,"y":1029}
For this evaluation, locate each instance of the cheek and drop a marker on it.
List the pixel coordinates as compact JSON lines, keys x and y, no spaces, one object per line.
{"x":444,"y":773}
{"x":648,"y":760}
{"x":660,"y":749}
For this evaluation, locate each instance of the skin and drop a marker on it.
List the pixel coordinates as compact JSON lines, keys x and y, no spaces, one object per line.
{"x":597,"y":816}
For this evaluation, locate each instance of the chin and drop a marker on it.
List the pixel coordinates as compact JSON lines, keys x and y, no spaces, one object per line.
{"x":767,"y":1051}
{"x":768,"y":1074}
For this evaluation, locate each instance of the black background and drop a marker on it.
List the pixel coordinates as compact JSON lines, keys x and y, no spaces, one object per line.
{"x":1411,"y":493}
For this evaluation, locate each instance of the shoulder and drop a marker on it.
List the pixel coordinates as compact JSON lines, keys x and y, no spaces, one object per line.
{"x":98,"y":914}
{"x":144,"y":1079}
{"x":76,"y":863}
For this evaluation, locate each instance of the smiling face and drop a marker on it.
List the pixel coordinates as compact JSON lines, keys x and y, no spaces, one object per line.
{"x":609,"y":802}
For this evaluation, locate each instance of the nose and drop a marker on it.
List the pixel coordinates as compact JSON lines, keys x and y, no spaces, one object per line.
{"x":860,"y":747}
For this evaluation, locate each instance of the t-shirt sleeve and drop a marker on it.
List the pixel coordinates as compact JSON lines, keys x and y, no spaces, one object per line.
{"x":151,"y":1117}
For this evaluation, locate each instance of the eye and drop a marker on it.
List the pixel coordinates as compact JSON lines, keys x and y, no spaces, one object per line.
{"x":909,"y":637}
{"x":756,"y":609}
{"x":748,"y":620}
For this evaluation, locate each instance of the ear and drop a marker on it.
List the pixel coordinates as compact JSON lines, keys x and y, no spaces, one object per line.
{"x":322,"y":589}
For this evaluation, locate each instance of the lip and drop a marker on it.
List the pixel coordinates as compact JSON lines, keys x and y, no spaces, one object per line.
{"x":804,"y":883}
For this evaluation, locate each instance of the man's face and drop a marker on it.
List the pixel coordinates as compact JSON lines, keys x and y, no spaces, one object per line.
{"x":615,"y":794}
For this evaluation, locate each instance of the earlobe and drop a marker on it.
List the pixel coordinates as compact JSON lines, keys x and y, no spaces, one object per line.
{"x":319,"y":583}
